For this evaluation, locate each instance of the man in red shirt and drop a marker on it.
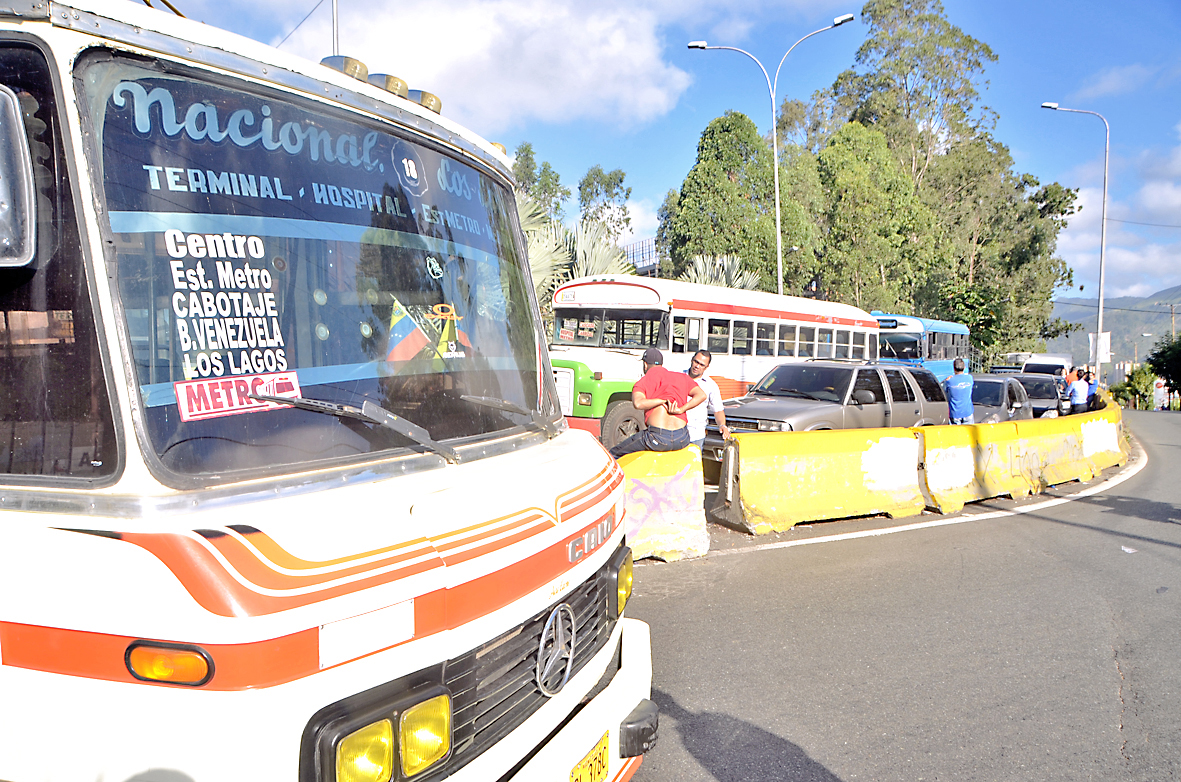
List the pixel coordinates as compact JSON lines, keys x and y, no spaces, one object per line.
{"x":664,"y":397}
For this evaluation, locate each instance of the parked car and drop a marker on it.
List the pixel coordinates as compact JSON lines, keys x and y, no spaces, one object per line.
{"x":1046,"y":396}
{"x":1000,"y":398}
{"x":832,"y":395}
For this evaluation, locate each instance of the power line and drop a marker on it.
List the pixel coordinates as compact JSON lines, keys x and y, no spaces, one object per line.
{"x":1133,"y":222}
{"x":301,"y":21}
{"x":1105,"y":307}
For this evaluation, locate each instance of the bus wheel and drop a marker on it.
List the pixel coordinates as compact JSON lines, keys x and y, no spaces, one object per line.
{"x":621,"y":422}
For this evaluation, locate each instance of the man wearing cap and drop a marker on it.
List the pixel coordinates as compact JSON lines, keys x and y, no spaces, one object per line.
{"x":664,"y":397}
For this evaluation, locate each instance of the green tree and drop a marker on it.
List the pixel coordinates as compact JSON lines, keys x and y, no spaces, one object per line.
{"x":726,"y":206}
{"x":879,"y":244}
{"x":918,"y":80}
{"x":602,"y":198}
{"x":543,"y":185}
{"x":1165,"y":361}
{"x":1136,"y":389}
{"x":524,"y":168}
{"x":550,"y":192}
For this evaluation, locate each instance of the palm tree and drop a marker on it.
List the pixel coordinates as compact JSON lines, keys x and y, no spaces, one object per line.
{"x":723,"y":270}
{"x":557,"y":254}
{"x":593,"y":251}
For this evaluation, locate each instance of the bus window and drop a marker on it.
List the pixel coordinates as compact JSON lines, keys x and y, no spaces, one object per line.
{"x":635,"y":329}
{"x":718,"y":340}
{"x":842,"y":350}
{"x":873,"y":346}
{"x":807,"y":342}
{"x":787,"y":340}
{"x":742,"y":338}
{"x":904,"y":346}
{"x":573,"y":327}
{"x":765,"y":343}
{"x":686,"y":335}
{"x":824,"y":343}
{"x":859,"y":344}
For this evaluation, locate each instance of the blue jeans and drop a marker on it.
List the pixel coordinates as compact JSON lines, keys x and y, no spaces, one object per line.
{"x":653,"y":439}
{"x":969,"y":420}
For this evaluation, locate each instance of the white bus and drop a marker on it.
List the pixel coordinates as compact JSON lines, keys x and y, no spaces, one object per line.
{"x":287,"y":490}
{"x":602,"y":325}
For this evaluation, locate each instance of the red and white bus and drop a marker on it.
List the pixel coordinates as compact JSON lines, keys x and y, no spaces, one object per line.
{"x":602,"y":325}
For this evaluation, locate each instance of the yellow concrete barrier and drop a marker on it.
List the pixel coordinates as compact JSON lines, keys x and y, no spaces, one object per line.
{"x":1104,"y":444}
{"x":664,"y":504}
{"x":1058,"y":444}
{"x":773,"y":480}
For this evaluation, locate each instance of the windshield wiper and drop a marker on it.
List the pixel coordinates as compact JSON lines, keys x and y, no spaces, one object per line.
{"x":535,"y":418}
{"x":797,"y":392}
{"x":369,"y":413}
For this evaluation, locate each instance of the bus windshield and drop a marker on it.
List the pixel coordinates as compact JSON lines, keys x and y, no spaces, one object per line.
{"x":611,"y":328}
{"x":905,"y":346}
{"x":267,"y":247}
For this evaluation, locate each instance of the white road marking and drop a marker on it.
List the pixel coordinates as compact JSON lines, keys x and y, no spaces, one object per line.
{"x":1129,"y":471}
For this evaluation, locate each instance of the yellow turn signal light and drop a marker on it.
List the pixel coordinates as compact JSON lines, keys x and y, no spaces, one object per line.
{"x":625,"y":580}
{"x":170,"y":664}
{"x":367,"y":755}
{"x":424,"y":734}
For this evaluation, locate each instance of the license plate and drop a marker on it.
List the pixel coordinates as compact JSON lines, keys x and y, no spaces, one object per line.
{"x":593,"y":767}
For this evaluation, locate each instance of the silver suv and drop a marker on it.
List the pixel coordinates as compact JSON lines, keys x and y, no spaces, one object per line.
{"x":814,"y":395}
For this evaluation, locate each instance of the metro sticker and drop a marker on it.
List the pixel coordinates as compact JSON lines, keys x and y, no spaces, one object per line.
{"x":566,"y":334}
{"x":215,"y":397}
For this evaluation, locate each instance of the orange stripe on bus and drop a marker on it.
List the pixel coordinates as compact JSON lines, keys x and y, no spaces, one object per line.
{"x":258,"y":573}
{"x":279,"y":660}
{"x":100,"y":656}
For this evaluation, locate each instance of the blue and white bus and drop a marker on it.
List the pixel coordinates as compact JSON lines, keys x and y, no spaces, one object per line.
{"x":922,"y":342}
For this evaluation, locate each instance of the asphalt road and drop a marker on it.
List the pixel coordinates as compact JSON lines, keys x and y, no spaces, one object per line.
{"x":1040,"y":645}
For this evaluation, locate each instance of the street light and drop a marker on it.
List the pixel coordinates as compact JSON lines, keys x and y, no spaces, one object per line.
{"x":1103,"y":225}
{"x":771,"y":88}
{"x":1136,"y":346}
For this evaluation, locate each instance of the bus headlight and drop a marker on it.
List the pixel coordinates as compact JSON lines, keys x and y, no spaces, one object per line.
{"x":619,"y":573}
{"x":390,"y":737}
{"x":424,"y":734}
{"x":366,"y":755}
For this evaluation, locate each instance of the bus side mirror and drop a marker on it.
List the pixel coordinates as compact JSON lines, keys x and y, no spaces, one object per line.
{"x":18,"y":224}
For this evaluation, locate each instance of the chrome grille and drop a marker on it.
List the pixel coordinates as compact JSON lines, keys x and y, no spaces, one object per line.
{"x":494,"y":687}
{"x":737,"y":425}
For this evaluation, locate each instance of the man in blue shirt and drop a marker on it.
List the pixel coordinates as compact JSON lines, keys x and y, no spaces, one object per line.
{"x":958,"y":388}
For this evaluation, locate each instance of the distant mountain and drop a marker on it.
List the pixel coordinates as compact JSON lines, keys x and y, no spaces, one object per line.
{"x":1126,"y":317}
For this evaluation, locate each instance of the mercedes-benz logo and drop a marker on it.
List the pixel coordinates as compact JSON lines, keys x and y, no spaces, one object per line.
{"x":555,"y":653}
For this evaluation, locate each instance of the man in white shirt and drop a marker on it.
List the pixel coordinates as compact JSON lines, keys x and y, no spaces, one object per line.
{"x":1078,"y":395}
{"x":713,"y":400}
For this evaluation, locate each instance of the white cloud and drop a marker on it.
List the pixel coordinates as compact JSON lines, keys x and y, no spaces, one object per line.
{"x":501,"y":64}
{"x":1160,"y":200}
{"x":498,"y":65}
{"x":643,"y":221}
{"x":1138,"y":260}
{"x":1116,"y":81}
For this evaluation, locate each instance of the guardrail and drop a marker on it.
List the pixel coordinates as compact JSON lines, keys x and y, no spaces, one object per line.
{"x":772,"y":481}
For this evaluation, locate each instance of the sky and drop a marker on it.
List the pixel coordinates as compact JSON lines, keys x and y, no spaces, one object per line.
{"x":613,"y":83}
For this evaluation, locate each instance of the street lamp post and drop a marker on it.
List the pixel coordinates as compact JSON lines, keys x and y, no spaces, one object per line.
{"x":1103,"y":225}
{"x":771,"y":88}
